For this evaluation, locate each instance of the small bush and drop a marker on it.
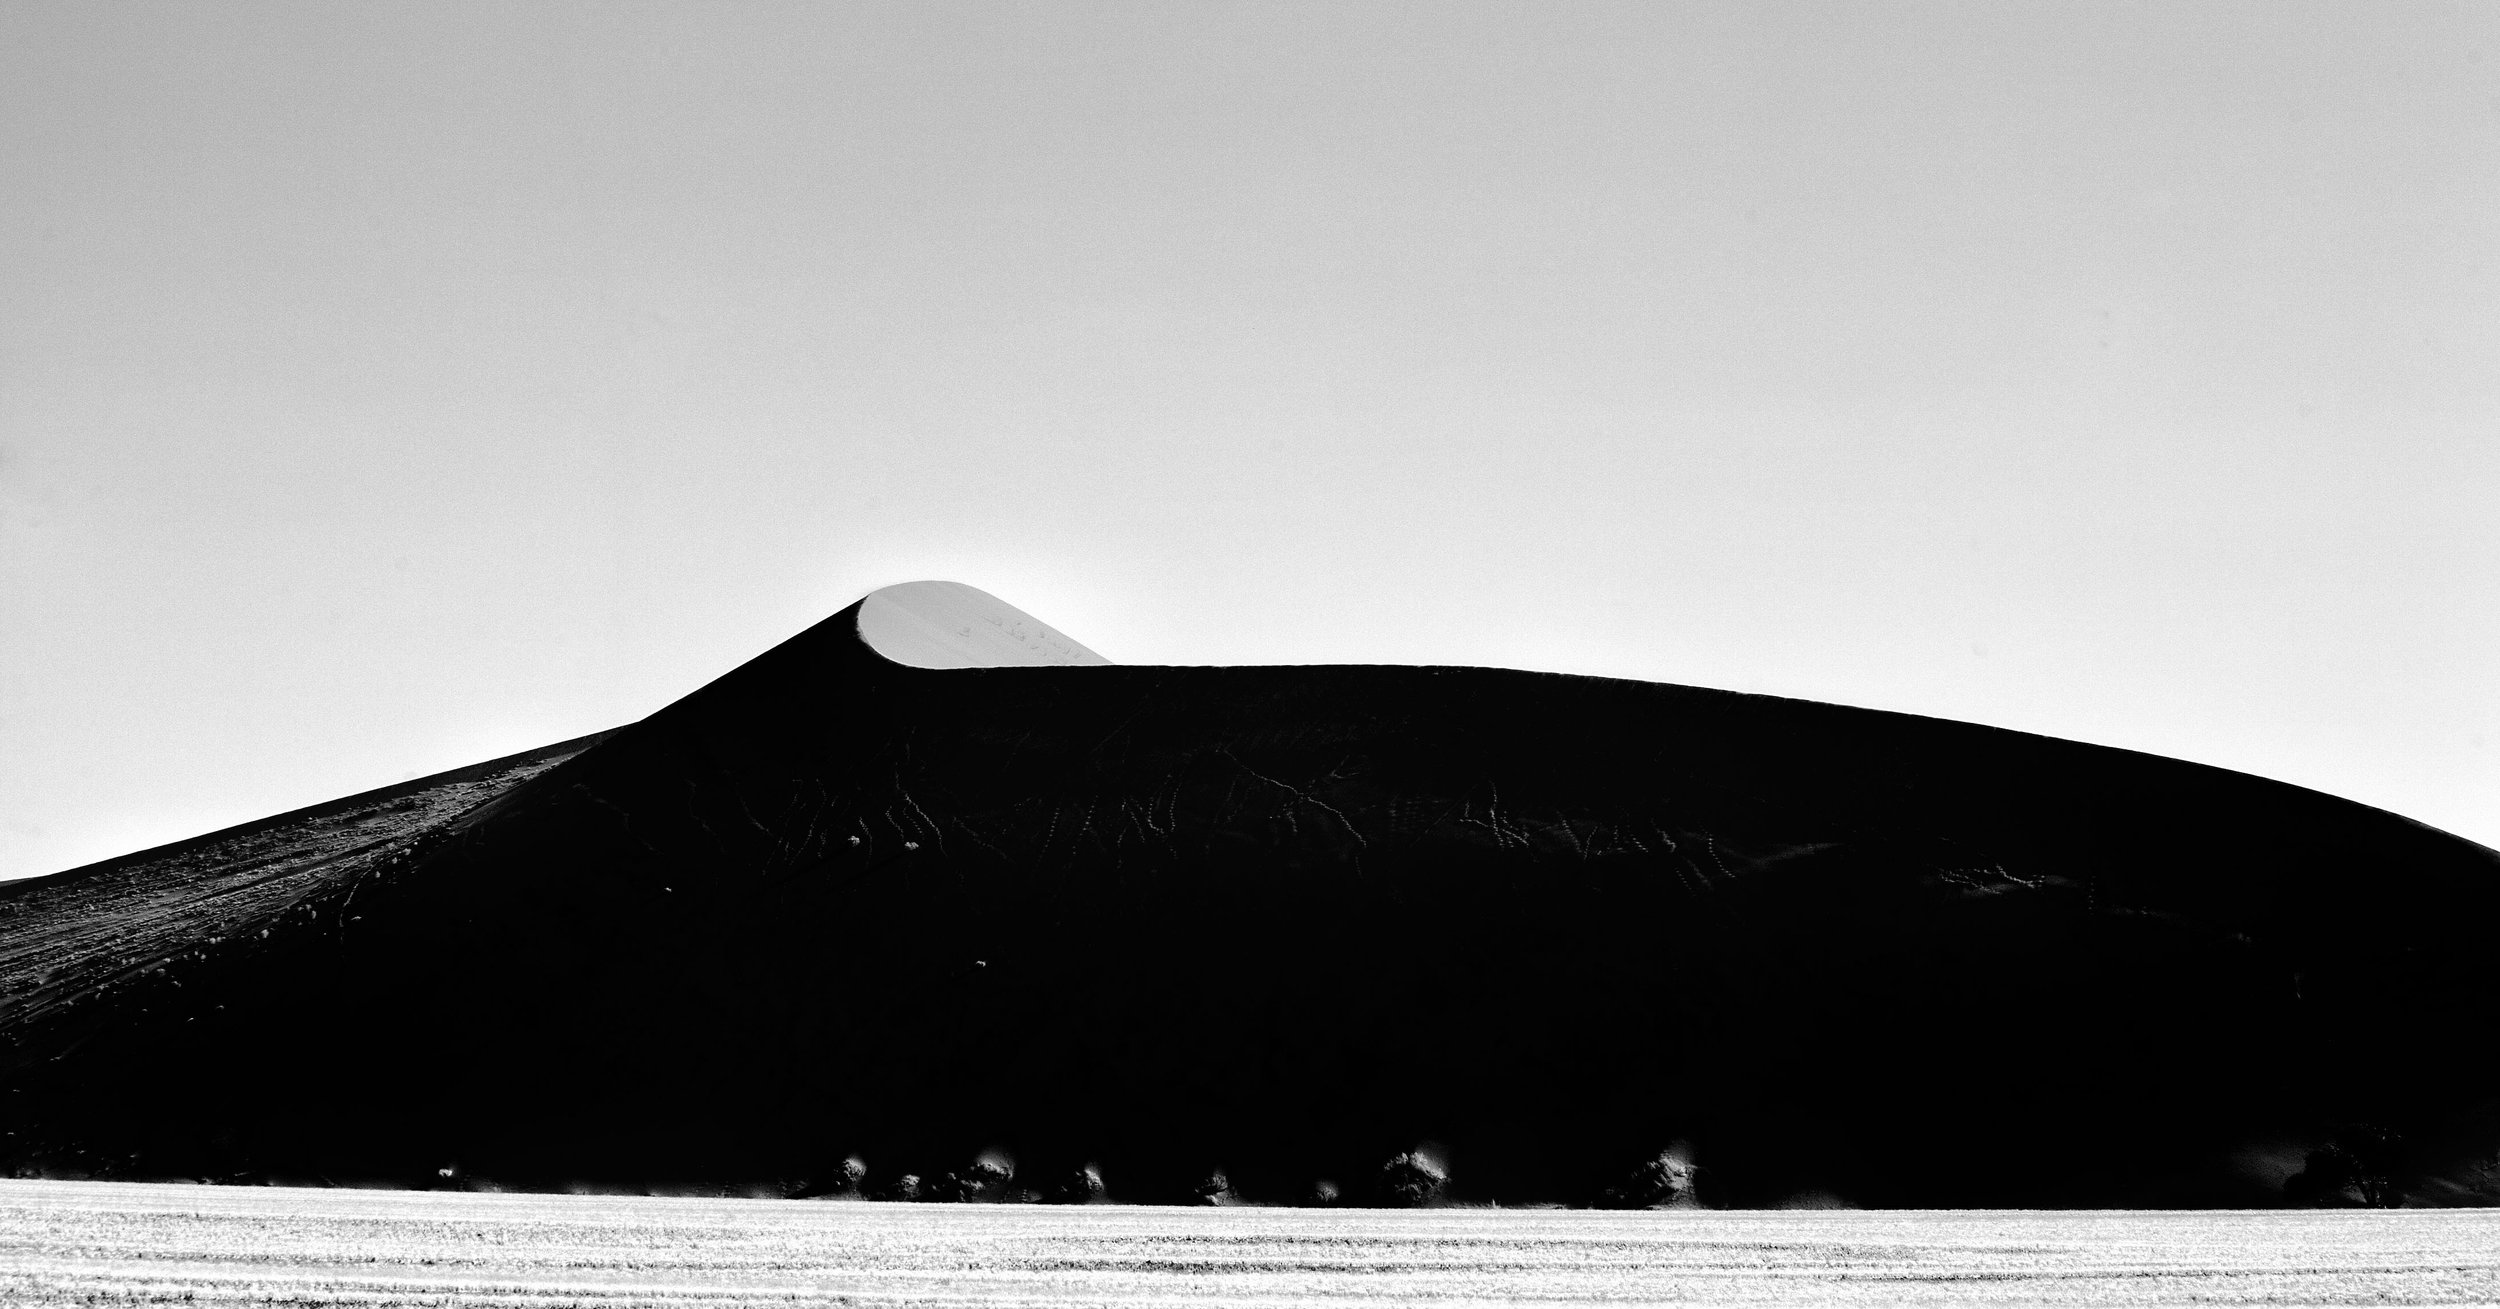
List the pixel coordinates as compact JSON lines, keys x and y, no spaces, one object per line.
{"x":1666,"y":1180}
{"x":2358,"y":1169}
{"x":1078,"y":1186}
{"x":847,"y":1179}
{"x":1214,"y":1188}
{"x":1411,"y":1181}
{"x":985,"y":1179}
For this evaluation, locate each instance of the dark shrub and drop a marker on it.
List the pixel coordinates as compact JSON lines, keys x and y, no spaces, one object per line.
{"x":1666,"y":1180}
{"x":1079,"y":1186}
{"x":1214,"y":1188}
{"x":848,"y":1177}
{"x":1411,"y":1181}
{"x":2358,"y":1169}
{"x":985,"y":1179}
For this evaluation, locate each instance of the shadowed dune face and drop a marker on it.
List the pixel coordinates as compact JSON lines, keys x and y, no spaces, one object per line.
{"x":1285,"y":925}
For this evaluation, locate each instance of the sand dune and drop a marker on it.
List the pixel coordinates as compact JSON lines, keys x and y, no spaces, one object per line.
{"x":883,"y":902}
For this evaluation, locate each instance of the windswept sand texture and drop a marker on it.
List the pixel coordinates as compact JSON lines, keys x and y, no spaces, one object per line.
{"x":1282,"y":925}
{"x":73,"y":1243}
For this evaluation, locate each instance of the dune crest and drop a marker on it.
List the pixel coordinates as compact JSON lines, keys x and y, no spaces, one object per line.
{"x":951,"y":625}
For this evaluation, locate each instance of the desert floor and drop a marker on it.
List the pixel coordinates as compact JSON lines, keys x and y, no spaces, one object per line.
{"x":107,"y":1243}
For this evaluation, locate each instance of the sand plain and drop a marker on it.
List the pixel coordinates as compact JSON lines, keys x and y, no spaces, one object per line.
{"x":122,"y":1243}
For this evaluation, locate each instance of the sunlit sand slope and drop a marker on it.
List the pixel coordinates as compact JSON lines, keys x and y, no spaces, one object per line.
{"x":834,"y":922}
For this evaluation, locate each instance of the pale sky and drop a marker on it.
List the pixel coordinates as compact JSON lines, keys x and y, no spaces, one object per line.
{"x":385,"y":387}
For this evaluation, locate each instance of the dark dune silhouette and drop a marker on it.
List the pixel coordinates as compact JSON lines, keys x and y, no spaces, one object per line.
{"x":1293,"y":933}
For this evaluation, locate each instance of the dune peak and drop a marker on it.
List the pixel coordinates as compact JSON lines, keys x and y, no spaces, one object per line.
{"x":950,"y":625}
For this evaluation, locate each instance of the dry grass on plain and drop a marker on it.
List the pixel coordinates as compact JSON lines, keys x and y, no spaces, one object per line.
{"x":108,"y":1243}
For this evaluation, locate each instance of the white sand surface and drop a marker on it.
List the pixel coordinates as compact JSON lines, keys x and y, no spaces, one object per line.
{"x":108,"y":1243}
